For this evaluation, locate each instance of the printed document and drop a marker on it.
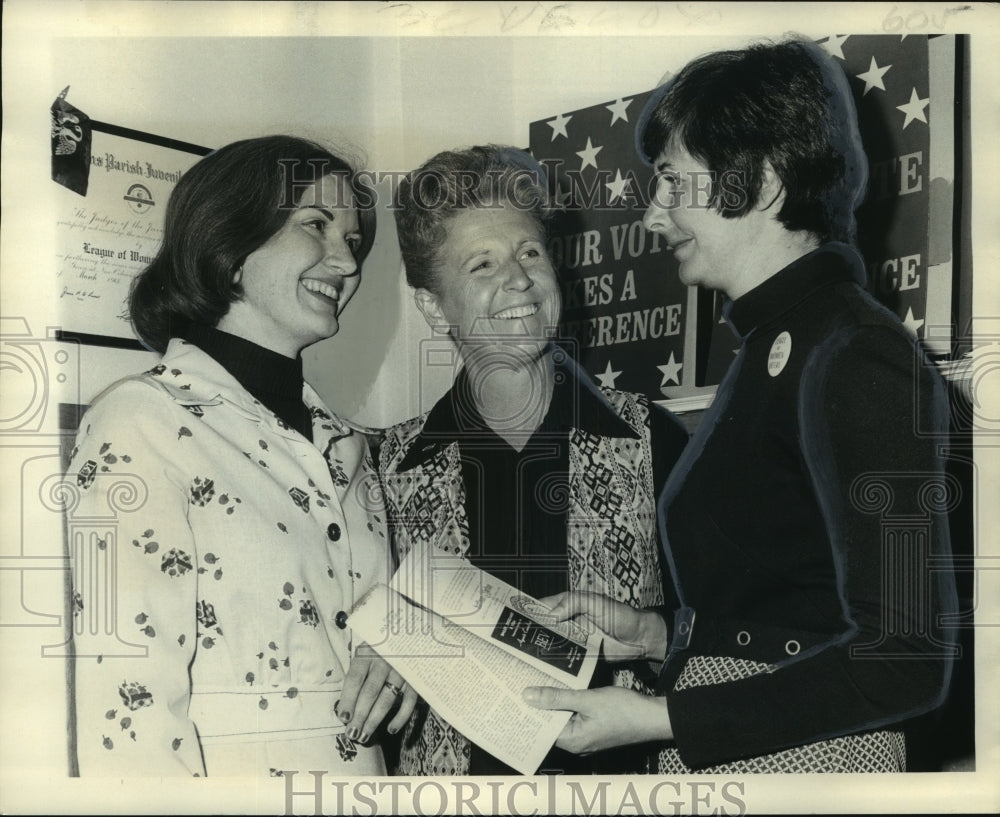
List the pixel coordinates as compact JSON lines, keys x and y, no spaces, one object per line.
{"x":469,"y":644}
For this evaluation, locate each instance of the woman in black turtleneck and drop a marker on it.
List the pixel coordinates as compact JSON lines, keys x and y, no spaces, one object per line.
{"x":805,"y":523}
{"x":255,"y":526}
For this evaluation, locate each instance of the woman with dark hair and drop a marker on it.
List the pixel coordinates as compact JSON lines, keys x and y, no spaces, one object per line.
{"x":805,"y":524}
{"x":256,"y":523}
{"x":226,"y":207}
{"x":524,"y":466}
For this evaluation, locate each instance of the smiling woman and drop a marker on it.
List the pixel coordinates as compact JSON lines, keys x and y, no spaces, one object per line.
{"x":524,"y":467}
{"x":259,"y":526}
{"x":296,"y":285}
{"x":793,"y":650}
{"x":494,"y":281}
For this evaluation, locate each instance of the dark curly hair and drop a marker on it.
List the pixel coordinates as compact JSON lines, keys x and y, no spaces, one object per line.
{"x":225,"y":207}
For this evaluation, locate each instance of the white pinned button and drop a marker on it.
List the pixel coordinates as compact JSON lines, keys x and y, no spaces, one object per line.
{"x":781,"y":350}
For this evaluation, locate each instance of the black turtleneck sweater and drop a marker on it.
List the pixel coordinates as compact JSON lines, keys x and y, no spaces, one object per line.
{"x":801,"y":528}
{"x":272,"y":379}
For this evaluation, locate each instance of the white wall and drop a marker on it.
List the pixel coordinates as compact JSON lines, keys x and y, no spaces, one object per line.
{"x":401,"y":90}
{"x":214,"y":90}
{"x":392,"y":102}
{"x":436,"y":93}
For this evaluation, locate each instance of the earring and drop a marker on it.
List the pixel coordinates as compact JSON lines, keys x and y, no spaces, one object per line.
{"x":238,"y":276}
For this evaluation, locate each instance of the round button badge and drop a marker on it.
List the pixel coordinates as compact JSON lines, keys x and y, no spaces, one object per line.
{"x":781,"y":350}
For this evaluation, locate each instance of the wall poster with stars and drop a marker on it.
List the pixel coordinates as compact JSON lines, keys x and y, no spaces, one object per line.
{"x":625,"y":313}
{"x":904,"y":90}
{"x":624,"y":310}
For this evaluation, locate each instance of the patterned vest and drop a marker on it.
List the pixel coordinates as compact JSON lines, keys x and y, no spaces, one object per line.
{"x":611,"y":544}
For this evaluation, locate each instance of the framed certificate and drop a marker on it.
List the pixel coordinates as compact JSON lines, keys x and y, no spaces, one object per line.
{"x":105,"y":237}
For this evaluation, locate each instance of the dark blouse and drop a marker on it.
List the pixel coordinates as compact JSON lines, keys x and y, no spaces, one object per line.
{"x":516,"y":507}
{"x":272,"y":379}
{"x":802,"y":527}
{"x":516,"y":512}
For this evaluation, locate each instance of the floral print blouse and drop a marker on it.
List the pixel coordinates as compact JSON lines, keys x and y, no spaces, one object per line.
{"x":226,"y":578}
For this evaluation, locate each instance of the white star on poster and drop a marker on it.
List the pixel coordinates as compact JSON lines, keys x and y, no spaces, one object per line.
{"x":671,"y":371}
{"x":872,"y":78}
{"x":589,"y":155}
{"x":835,"y":45}
{"x":911,"y":322}
{"x":914,"y":109}
{"x":617,"y":187}
{"x":558,"y":126}
{"x":608,"y":377}
{"x":619,"y":110}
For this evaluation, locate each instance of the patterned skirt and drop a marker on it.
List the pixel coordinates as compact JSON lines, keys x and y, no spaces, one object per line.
{"x":883,"y":750}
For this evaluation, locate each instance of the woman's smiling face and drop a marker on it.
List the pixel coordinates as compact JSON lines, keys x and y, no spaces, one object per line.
{"x":298,"y":282}
{"x":709,"y":248}
{"x":494,"y":280}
